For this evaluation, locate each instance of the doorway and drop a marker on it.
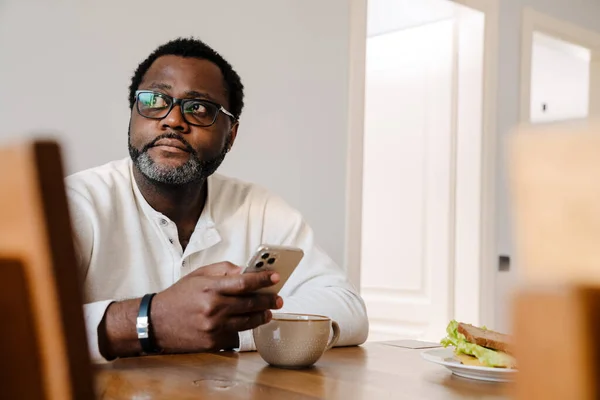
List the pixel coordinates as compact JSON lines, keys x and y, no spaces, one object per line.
{"x":560,"y":79}
{"x":560,"y":70}
{"x":418,"y":224}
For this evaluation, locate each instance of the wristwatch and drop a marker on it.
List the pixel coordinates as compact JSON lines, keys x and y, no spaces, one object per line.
{"x":144,"y":328}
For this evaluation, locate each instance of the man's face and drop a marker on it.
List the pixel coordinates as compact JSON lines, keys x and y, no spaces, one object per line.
{"x":170,"y":150}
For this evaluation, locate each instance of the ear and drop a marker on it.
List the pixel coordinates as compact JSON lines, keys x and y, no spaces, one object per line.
{"x":233,"y":133}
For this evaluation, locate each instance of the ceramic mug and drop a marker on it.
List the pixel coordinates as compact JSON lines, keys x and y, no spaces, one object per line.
{"x":295,"y":340}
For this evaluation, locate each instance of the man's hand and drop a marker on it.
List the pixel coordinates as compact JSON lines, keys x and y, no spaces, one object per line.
{"x":218,"y":269}
{"x":204,"y":311}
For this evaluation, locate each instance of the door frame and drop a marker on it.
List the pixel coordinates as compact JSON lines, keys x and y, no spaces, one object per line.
{"x":536,"y":21}
{"x":477,"y":305}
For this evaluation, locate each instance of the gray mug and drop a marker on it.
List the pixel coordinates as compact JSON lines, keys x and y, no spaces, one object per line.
{"x":295,"y":340}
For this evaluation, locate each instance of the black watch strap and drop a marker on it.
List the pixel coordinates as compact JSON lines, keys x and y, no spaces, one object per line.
{"x":143,"y":326}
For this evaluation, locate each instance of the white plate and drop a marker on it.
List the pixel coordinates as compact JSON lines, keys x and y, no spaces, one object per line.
{"x":445,"y":357}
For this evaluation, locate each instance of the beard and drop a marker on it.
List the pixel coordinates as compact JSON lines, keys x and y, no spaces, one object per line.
{"x":194,"y":170}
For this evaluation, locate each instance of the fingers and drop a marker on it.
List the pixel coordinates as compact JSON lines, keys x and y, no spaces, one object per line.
{"x":253,"y":303}
{"x":244,"y":322}
{"x":218,"y":269}
{"x":246,"y":283}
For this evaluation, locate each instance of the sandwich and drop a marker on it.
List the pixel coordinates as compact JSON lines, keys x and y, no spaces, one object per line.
{"x":479,"y":346}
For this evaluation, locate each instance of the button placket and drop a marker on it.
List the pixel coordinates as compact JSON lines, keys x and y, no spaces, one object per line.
{"x":168,"y":229}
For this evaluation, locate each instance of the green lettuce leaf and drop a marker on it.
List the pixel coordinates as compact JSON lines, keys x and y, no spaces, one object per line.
{"x":488,"y":357}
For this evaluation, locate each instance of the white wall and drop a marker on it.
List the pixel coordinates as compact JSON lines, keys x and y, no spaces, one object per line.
{"x":65,"y":67}
{"x":585,"y":13}
{"x":560,"y":80}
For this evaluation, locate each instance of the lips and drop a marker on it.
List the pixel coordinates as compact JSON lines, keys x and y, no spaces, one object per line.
{"x":174,"y":143}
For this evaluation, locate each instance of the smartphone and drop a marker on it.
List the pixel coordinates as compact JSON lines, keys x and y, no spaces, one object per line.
{"x":282,"y":259}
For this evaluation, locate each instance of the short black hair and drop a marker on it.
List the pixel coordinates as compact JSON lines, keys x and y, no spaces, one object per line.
{"x":194,"y":48}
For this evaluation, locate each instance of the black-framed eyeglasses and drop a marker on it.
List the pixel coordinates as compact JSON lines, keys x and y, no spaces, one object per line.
{"x":198,"y":112}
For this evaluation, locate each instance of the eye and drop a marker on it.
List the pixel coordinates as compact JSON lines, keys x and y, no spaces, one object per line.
{"x":152,"y":100}
{"x":197,"y":108}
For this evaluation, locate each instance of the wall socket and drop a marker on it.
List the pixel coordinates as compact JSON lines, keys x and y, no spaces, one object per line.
{"x":504,"y":263}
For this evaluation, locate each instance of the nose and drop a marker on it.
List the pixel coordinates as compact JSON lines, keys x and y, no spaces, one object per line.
{"x":175,"y":121}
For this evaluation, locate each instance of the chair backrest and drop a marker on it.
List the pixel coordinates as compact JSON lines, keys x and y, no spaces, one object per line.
{"x":43,"y":346}
{"x":555,"y":185}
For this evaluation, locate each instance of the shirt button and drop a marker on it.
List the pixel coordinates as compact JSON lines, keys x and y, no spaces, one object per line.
{"x":183,"y":264}
{"x":163,"y":222}
{"x":171,"y":241}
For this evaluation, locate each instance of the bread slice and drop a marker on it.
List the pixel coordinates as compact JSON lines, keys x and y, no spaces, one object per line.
{"x":486,"y":338}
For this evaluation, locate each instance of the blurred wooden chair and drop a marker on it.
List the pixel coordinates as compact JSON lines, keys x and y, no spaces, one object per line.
{"x":43,"y":347}
{"x":555,"y":185}
{"x":557,"y":349}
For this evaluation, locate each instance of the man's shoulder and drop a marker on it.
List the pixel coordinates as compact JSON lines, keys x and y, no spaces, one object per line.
{"x":237,"y":191}
{"x":100,"y":179}
{"x":228,"y":186}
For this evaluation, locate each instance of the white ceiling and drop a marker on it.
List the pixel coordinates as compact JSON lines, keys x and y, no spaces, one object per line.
{"x":392,"y":15}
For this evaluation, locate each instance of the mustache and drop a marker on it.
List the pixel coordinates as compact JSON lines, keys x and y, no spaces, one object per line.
{"x":170,"y":135}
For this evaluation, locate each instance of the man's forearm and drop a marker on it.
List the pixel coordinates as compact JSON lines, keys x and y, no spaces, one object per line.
{"x":203,"y":311}
{"x":117,"y":336}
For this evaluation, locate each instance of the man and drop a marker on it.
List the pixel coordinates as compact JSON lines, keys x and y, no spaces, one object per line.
{"x":159,"y":236}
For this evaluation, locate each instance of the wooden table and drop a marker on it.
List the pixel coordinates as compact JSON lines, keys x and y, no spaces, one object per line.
{"x":373,"y":371}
